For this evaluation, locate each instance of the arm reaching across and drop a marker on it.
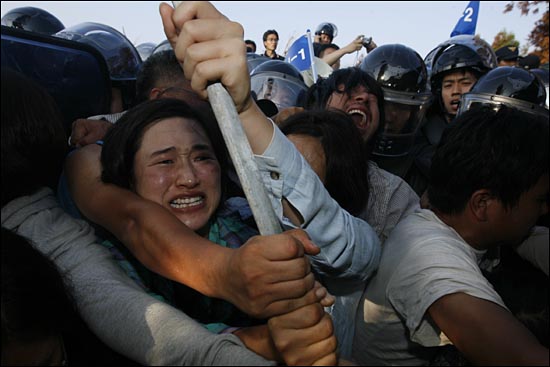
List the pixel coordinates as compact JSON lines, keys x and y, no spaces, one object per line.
{"x":265,"y":277}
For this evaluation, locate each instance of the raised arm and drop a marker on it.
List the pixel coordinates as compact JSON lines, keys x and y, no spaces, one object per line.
{"x":212,"y":48}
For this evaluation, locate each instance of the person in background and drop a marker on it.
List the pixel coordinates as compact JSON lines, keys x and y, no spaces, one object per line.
{"x":508,"y":56}
{"x":250,"y":46}
{"x":402,"y":75}
{"x":325,"y":33}
{"x":271,"y":40}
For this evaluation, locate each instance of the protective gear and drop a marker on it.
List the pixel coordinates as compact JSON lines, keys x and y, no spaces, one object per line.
{"x":120,"y":54}
{"x":510,"y":86}
{"x":544,"y":77}
{"x":401,"y":73}
{"x":163,"y":46}
{"x":145,"y":50}
{"x":464,"y":51}
{"x":327,"y":28}
{"x":279,"y":82}
{"x":33,"y":20}
{"x":253,"y":60}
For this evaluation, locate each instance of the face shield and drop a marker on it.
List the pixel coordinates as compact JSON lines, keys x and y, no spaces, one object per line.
{"x":284,"y":91}
{"x":404,"y":114}
{"x":470,"y":101}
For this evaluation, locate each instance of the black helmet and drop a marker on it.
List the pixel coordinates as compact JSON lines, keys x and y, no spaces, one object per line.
{"x":145,"y":50}
{"x":120,"y":54}
{"x":327,"y":28}
{"x":253,"y":60}
{"x":463,"y":51}
{"x":33,"y":20}
{"x":279,"y":82}
{"x":510,"y":86}
{"x":401,"y":73}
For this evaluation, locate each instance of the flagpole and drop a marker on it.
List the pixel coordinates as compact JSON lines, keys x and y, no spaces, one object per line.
{"x":310,"y":46}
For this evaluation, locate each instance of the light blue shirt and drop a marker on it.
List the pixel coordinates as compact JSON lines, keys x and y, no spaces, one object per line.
{"x":350,"y":248}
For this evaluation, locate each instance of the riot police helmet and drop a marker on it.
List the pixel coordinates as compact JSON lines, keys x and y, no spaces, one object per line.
{"x":32,"y":19}
{"x":327,"y":28}
{"x":279,"y":82}
{"x":401,"y":73}
{"x":121,"y":56}
{"x":510,"y":86}
{"x":465,"y":52}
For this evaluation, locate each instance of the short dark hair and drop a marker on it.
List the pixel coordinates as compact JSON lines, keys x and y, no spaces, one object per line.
{"x":503,"y":151}
{"x":319,"y":93}
{"x":34,"y":142}
{"x":346,"y":160}
{"x":268,"y":32}
{"x":252,"y":43}
{"x":160,"y":67}
{"x":123,"y":140}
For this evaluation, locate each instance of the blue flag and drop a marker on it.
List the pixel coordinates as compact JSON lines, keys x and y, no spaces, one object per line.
{"x":467,"y":23}
{"x":299,"y":53}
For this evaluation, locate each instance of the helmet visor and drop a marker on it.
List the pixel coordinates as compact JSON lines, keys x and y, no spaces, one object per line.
{"x":284,"y":92}
{"x":404,"y":114}
{"x":470,"y":101}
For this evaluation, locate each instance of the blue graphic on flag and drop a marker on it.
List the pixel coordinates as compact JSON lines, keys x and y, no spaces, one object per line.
{"x":299,"y":54}
{"x":467,"y":23}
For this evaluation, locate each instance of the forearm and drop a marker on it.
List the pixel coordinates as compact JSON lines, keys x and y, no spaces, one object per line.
{"x":333,"y":57}
{"x":486,"y":333}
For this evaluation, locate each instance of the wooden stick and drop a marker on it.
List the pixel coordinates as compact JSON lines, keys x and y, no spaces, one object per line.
{"x":242,"y":157}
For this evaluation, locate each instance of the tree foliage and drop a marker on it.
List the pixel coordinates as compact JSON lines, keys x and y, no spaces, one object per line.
{"x":504,"y":38}
{"x":538,"y":37}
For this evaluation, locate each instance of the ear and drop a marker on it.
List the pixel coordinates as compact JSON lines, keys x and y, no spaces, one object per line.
{"x":479,"y":204}
{"x":155,"y":93}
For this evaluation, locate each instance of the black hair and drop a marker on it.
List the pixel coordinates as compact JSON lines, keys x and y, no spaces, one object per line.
{"x":123,"y":140}
{"x":319,"y":93}
{"x":250,"y":42}
{"x":34,"y":142}
{"x":35,"y":302}
{"x":346,"y":160}
{"x":268,"y":32}
{"x":160,"y":67}
{"x":505,"y":152}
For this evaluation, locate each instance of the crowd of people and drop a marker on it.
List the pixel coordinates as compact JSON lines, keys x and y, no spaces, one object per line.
{"x":412,"y":192}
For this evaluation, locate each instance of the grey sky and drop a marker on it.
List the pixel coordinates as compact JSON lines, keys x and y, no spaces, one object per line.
{"x":419,"y":24}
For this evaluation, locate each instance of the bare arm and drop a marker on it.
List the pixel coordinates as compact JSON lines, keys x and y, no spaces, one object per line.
{"x":266,"y":276}
{"x":486,"y":333}
{"x":355,"y":45}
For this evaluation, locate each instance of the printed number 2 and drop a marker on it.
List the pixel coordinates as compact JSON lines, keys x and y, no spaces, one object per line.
{"x":468,"y":14}
{"x":301,"y":52}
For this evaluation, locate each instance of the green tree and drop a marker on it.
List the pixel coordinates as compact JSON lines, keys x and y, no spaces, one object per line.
{"x":538,"y":38}
{"x":504,"y":38}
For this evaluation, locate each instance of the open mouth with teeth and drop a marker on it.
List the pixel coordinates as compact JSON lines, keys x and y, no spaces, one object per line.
{"x":359,"y":118}
{"x":188,"y":202}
